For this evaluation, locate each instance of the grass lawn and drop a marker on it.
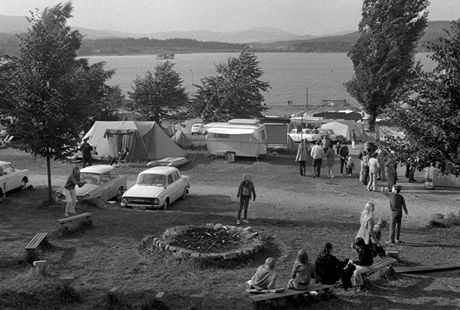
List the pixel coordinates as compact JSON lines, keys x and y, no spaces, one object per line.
{"x":293,"y":211}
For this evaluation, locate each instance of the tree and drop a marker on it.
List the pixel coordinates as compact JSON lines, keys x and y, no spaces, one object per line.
{"x":431,"y":117}
{"x":236,"y":92}
{"x":383,"y":56}
{"x":55,"y":94}
{"x":7,"y":71}
{"x":160,"y":96}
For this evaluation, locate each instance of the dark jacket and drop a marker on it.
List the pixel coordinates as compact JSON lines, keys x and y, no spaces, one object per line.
{"x":327,"y":268}
{"x":365,"y":257}
{"x":343,"y":151}
{"x":251,"y":190}
{"x":86,"y":149}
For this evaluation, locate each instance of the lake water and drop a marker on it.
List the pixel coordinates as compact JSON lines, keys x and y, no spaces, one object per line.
{"x":291,"y":75}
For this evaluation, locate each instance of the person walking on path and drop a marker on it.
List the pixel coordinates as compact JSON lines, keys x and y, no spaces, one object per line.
{"x":373,"y":173}
{"x":353,"y":139}
{"x":342,"y":152}
{"x":245,"y":192}
{"x":397,"y":206}
{"x":72,"y":181}
{"x":366,"y":229}
{"x":330,"y":156}
{"x":86,"y":149}
{"x":317,"y":153}
{"x":301,"y":157}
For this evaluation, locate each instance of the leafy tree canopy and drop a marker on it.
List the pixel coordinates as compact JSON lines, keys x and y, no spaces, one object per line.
{"x":236,"y":91}
{"x":383,"y":56}
{"x":160,"y":95}
{"x":431,"y":117}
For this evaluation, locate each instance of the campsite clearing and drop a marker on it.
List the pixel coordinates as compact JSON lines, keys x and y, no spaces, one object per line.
{"x":296,"y":212}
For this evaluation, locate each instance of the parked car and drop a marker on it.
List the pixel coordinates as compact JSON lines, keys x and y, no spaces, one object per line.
{"x":11,"y":178}
{"x":332,"y":135}
{"x":155,"y":188}
{"x":306,"y":133}
{"x":102,"y":182}
{"x":197,"y":129}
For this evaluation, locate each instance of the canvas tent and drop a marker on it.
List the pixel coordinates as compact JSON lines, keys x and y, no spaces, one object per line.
{"x":345,"y":129}
{"x":181,"y":139}
{"x":145,"y":140}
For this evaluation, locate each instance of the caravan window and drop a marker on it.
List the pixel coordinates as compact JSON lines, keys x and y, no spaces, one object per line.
{"x":221,"y":135}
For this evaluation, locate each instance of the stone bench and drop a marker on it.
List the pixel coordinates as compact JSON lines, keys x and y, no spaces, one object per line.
{"x":76,"y":222}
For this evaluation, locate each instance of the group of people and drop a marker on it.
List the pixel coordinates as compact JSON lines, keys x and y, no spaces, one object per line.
{"x":324,"y":149}
{"x":327,"y":268}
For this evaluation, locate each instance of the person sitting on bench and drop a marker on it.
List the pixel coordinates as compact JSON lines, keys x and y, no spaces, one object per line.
{"x":302,"y":272}
{"x":328,"y":268}
{"x":362,"y":264}
{"x":265,"y":276}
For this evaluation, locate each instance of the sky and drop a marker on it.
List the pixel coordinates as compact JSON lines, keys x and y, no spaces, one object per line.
{"x":300,"y":17}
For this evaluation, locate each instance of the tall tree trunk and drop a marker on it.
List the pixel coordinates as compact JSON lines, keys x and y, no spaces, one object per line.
{"x":48,"y":168}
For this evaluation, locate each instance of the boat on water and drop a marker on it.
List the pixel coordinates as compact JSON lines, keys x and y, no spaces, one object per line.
{"x":166,"y":56}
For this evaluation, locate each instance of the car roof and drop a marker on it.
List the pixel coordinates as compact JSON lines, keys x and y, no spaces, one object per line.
{"x":97,"y":169}
{"x":160,"y":170}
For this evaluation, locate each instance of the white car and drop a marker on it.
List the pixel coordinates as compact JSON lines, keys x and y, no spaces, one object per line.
{"x":11,"y":178}
{"x":305,"y":134}
{"x":197,"y":129}
{"x":101,"y":182}
{"x":155,"y":188}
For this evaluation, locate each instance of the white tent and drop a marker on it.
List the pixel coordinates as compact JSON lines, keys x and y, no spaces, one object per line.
{"x":345,"y":128}
{"x":244,"y":137}
{"x":145,"y":140}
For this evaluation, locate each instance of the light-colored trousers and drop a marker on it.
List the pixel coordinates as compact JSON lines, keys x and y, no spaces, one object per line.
{"x":372,"y":184}
{"x":71,"y":201}
{"x":357,"y":278}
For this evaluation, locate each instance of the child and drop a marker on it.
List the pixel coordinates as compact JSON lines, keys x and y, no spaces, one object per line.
{"x":377,"y":249}
{"x":350,"y":166}
{"x":302,"y":272}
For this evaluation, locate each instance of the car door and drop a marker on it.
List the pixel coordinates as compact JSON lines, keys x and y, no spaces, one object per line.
{"x":180,"y":184}
{"x":172,"y":187}
{"x":11,"y":180}
{"x":106,"y":186}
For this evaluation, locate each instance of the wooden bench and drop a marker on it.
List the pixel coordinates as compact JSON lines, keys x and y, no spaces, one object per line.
{"x":38,"y":240}
{"x":76,"y":222}
{"x":380,"y":264}
{"x":269,"y":294}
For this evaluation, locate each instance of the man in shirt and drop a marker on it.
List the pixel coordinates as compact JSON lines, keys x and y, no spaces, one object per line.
{"x":317,"y":153}
{"x":373,"y":172}
{"x":397,"y":205}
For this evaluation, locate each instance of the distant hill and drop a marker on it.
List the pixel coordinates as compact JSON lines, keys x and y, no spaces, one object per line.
{"x":343,"y":43}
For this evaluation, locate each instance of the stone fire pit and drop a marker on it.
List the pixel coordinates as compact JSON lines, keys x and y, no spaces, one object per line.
{"x":210,"y":242}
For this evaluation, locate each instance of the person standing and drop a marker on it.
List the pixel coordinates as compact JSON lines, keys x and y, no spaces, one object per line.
{"x":381,"y":155}
{"x":364,"y":172}
{"x":390,"y":165}
{"x":373,"y":173}
{"x":301,"y":157}
{"x":366,"y":229}
{"x":245,"y":192}
{"x":72,"y":181}
{"x":353,"y":139}
{"x":330,"y":156}
{"x":397,"y":206}
{"x":86,"y":149}
{"x":317,"y":153}
{"x":342,"y":152}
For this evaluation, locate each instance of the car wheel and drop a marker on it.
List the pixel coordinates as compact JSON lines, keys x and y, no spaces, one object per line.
{"x":119,"y":193}
{"x":166,"y":204}
{"x":184,"y":194}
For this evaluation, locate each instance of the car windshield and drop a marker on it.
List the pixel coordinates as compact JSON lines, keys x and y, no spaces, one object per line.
{"x":90,"y":178}
{"x":151,"y":179}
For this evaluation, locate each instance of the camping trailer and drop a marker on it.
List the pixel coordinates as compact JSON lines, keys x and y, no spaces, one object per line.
{"x":243,"y":137}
